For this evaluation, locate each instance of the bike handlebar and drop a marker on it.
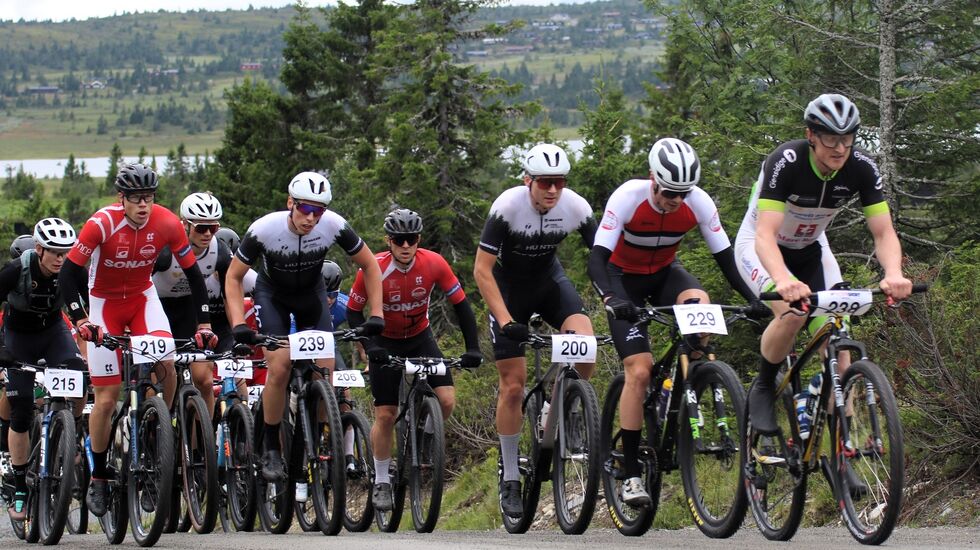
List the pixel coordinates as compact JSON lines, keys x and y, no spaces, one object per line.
{"x":539,"y":341}
{"x":774,"y":296}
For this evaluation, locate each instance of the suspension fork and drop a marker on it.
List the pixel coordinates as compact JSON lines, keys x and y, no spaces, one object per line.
{"x":691,"y":398}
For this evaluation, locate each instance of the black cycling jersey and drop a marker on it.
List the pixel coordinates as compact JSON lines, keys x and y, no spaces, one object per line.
{"x":524,"y":240}
{"x":44,"y":306}
{"x":291,"y":262}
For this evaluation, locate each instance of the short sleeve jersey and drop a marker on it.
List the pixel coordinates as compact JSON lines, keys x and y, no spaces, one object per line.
{"x":643,"y":238}
{"x":292,"y":262}
{"x":171,"y":281}
{"x":789,"y":183}
{"x":525,"y":240}
{"x":122,"y":256}
{"x":407,"y":292}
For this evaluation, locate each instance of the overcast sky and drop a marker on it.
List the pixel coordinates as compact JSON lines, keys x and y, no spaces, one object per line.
{"x":60,"y":10}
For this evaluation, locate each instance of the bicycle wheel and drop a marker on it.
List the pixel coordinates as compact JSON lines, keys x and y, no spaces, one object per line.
{"x":577,"y":458}
{"x":275,"y":506}
{"x":239,"y":470}
{"x":710,"y":465}
{"x":200,"y":463}
{"x":532,"y":462}
{"x":55,"y":489}
{"x":630,"y":521}
{"x":152,"y":482}
{"x":305,"y":516}
{"x":77,"y":509}
{"x":115,"y":520}
{"x":358,"y":511}
{"x":327,"y":470}
{"x":32,"y":524}
{"x":388,"y":521}
{"x":775,"y":478}
{"x":871,"y":498}
{"x":427,"y":466}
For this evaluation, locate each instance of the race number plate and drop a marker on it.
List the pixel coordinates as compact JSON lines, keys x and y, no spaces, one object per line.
{"x":234,"y":368}
{"x":348,"y":379}
{"x":254,"y":394}
{"x":573,"y":348}
{"x":150,"y":349}
{"x":311,"y":344}
{"x":698,"y":318}
{"x":63,"y":382}
{"x":432,"y":369}
{"x":845,"y":302}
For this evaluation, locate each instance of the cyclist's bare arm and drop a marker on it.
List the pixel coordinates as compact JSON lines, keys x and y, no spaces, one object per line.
{"x":234,"y":293}
{"x":888,"y":249}
{"x":483,"y":273}
{"x":364,"y":258}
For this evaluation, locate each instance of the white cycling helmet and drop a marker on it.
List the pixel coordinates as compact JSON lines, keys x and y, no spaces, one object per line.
{"x":546,"y":159}
{"x":310,"y":186}
{"x":674,"y":165}
{"x":834,"y":113}
{"x":55,"y":234}
{"x":203,"y":207}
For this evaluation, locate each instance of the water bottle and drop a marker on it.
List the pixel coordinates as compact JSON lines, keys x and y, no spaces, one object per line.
{"x":219,"y":437}
{"x":802,"y":414}
{"x":293,"y":402}
{"x":664,"y":400}
{"x":543,"y":419}
{"x":88,"y":452}
{"x":816,"y":384}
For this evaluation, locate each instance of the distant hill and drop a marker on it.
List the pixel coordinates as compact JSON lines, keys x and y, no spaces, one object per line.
{"x":154,"y":80}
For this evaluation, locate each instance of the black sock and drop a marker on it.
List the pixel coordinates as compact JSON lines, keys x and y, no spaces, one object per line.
{"x":272,"y":437}
{"x":98,"y":464}
{"x":768,"y":372}
{"x":4,"y":431}
{"x":631,"y":451}
{"x":20,"y":477}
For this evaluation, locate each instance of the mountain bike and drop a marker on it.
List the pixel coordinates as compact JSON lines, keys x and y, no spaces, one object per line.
{"x":418,"y":466}
{"x":565,"y":446}
{"x":312,"y":436}
{"x":692,"y":414}
{"x":197,"y":468}
{"x":141,"y":450}
{"x":51,"y":463}
{"x":863,"y":461}
{"x":233,"y":437}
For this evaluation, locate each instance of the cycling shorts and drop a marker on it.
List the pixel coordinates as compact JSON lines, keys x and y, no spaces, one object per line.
{"x":552,"y":296}
{"x":141,"y":314}
{"x":813,"y":264}
{"x":385,"y":381}
{"x":658,"y":289}
{"x":309,"y":308}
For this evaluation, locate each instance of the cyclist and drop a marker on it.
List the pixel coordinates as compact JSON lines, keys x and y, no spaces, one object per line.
{"x":123,"y":241}
{"x":634,"y":261}
{"x":518,"y":275}
{"x":409,"y":273}
{"x":32,"y":330}
{"x":782,"y":244}
{"x":201,"y":217}
{"x":292,"y":245}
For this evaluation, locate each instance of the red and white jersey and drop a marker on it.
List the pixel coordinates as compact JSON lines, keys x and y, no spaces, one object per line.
{"x":406,"y":292}
{"x":643,"y":238}
{"x":122,"y":255}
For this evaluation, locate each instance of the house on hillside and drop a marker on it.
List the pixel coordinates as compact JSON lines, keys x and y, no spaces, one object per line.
{"x":94,"y":85}
{"x":251,"y":66}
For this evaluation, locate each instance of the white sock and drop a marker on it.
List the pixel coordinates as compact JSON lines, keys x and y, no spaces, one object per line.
{"x":381,"y":474}
{"x":349,"y":441}
{"x":508,"y":451}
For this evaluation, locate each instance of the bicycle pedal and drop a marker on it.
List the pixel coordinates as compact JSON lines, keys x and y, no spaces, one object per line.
{"x":769,"y":460}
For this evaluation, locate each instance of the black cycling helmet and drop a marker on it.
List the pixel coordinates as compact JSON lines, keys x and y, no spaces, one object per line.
{"x":402,"y":221}
{"x":20,"y":244}
{"x":332,"y":275}
{"x":136,"y":177}
{"x":228,"y":236}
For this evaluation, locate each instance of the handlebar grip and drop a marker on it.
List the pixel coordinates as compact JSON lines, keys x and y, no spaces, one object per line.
{"x":920,"y":287}
{"x":770,"y":296}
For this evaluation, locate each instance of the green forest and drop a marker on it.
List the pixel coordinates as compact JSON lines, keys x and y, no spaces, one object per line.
{"x":411,"y":105}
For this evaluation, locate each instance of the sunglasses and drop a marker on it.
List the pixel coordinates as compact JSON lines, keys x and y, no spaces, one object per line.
{"x":307,"y":209}
{"x":148,"y":198}
{"x":545,"y":183}
{"x":203,"y":228}
{"x":831,"y":141}
{"x":408,"y":239}
{"x":672,"y":194}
